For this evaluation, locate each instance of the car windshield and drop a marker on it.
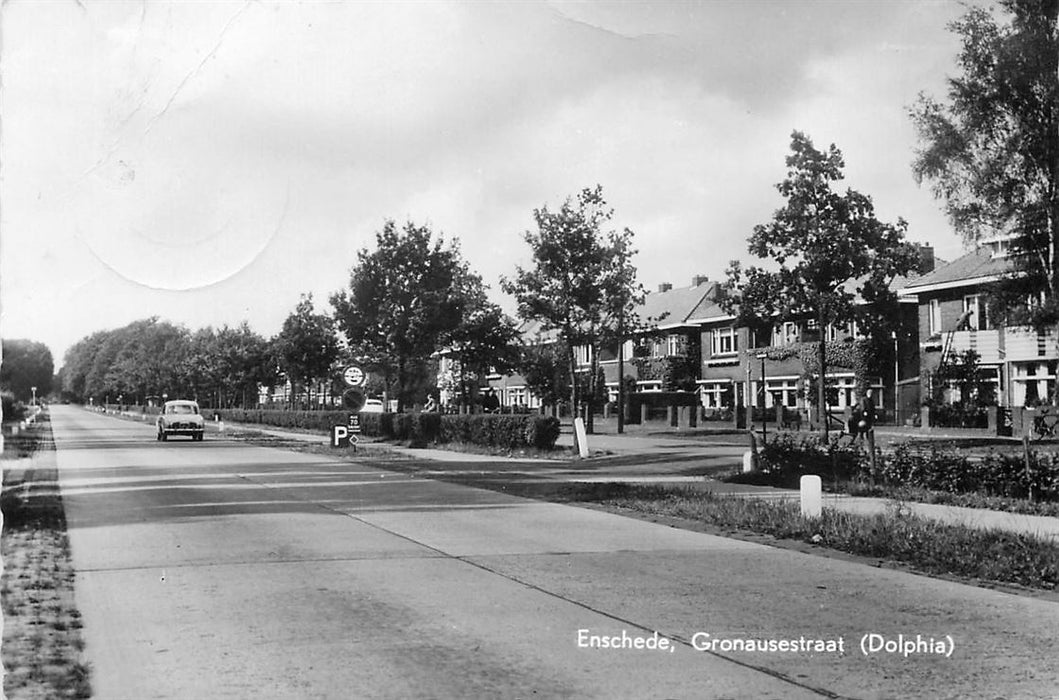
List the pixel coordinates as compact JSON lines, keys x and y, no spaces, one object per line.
{"x":181,"y":408}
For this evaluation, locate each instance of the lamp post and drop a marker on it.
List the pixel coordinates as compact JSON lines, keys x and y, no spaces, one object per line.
{"x":764,"y":393}
{"x":33,"y":401}
{"x":897,"y":375}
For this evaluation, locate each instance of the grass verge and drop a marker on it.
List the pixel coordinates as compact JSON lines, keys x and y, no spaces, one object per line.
{"x":896,"y":535}
{"x":964,"y":500}
{"x":42,"y":641}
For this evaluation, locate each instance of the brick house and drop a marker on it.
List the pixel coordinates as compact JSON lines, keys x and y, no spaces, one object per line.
{"x":665,"y":356}
{"x":766,"y":367}
{"x":1017,"y":365}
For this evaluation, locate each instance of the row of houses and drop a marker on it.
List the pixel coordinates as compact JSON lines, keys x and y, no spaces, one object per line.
{"x":696,"y":346}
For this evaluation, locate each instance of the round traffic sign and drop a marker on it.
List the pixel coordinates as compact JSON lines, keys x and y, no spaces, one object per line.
{"x":353,"y":399}
{"x":353,"y":376}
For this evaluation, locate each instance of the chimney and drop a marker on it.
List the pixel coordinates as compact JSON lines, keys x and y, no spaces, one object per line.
{"x":926,"y":258}
{"x":665,"y":287}
{"x":699,"y":279}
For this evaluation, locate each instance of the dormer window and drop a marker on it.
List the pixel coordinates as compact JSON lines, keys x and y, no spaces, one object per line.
{"x":998,"y":247}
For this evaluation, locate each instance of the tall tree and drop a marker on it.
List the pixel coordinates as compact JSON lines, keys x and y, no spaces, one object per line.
{"x":485,"y":340}
{"x":26,"y":364}
{"x":581,"y":283}
{"x":828,"y":247}
{"x":404,"y":301}
{"x":306,"y":346}
{"x":991,"y":153}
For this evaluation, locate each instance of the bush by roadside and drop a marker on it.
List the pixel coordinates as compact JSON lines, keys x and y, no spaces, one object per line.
{"x":12,"y":409}
{"x":839,"y":461}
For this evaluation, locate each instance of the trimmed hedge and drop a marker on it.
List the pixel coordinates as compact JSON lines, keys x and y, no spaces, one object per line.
{"x":418,"y":429}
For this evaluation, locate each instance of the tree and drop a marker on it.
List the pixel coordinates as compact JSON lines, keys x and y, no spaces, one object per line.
{"x":26,"y":364}
{"x":405,"y":300}
{"x":581,"y":284}
{"x":828,"y":247}
{"x":306,"y":346}
{"x":485,"y":340}
{"x":546,"y":370}
{"x":992,"y":152}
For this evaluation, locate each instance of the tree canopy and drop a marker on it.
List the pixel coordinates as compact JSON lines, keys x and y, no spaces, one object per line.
{"x":406,"y":300}
{"x":307,"y":346}
{"x":828,"y":248}
{"x":991,"y":152}
{"x":581,"y":283}
{"x":152,"y":358}
{"x":26,"y":364}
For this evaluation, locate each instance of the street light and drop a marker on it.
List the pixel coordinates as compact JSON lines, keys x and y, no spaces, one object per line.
{"x":33,"y":401}
{"x":897,"y":375}
{"x":764,"y":393}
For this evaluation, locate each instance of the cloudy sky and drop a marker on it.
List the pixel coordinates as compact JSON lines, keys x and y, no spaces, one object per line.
{"x":209,"y":162}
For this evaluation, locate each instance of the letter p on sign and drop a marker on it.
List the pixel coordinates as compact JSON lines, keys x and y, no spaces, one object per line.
{"x":339,"y":436}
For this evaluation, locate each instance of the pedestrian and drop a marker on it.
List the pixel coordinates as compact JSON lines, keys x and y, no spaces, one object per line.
{"x":867,"y":411}
{"x":490,"y":404}
{"x":856,"y":422}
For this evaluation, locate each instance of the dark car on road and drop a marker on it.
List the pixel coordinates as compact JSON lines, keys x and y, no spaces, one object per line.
{"x":180,"y":418}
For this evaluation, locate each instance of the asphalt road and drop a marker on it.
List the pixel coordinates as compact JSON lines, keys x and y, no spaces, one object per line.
{"x":223,"y":570}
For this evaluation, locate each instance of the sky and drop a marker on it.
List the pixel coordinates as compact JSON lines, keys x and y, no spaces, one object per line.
{"x":210,"y":162}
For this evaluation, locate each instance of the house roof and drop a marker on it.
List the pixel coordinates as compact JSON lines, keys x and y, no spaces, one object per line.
{"x":674,"y":307}
{"x":977,"y":267}
{"x":531,"y":332}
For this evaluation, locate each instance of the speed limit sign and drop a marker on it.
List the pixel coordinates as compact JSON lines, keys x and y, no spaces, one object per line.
{"x":353,"y":376}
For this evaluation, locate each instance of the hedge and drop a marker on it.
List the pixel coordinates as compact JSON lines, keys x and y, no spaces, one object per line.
{"x":418,"y":429}
{"x":786,"y":458}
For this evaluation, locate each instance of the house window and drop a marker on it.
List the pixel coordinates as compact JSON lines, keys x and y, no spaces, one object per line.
{"x":583,"y":354}
{"x":725,"y":341}
{"x":676,"y":345}
{"x":785,"y":333}
{"x":934,"y":316}
{"x":977,"y":318}
{"x":716,"y":394}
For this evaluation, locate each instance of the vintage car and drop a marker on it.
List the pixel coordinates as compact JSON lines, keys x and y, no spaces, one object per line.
{"x":180,"y":418}
{"x":372,"y":406}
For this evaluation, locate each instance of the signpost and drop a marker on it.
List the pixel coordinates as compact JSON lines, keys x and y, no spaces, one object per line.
{"x":353,"y":399}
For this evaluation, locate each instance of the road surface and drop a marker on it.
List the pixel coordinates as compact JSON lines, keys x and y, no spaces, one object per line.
{"x":223,"y":570}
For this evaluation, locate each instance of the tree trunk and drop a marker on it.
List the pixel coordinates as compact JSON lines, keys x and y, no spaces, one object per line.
{"x":593,"y":388}
{"x":821,"y":355}
{"x":621,"y":381}
{"x":573,"y":383}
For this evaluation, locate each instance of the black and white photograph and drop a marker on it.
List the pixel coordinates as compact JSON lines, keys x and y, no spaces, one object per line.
{"x":454,"y":349}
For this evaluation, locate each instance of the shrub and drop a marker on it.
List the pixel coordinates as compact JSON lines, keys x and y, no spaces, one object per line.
{"x":786,"y":458}
{"x":13,"y":410}
{"x":504,"y":431}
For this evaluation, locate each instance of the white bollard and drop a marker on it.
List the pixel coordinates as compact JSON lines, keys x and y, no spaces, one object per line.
{"x":581,"y":437}
{"x":221,"y":426}
{"x":812,"y":497}
{"x":748,"y":462}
